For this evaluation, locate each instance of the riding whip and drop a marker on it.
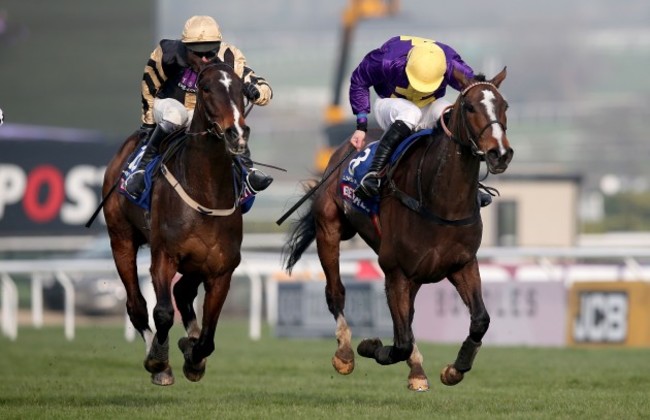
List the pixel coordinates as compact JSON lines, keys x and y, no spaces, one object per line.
{"x":101,"y":204}
{"x":314,"y":188}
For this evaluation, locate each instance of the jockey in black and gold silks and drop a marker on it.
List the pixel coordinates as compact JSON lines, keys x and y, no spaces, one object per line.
{"x":169,"y":92}
{"x":168,"y":74}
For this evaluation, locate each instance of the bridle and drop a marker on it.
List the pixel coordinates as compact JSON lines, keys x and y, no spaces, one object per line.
{"x":214,"y":128}
{"x":417,"y":205}
{"x":469,"y":135}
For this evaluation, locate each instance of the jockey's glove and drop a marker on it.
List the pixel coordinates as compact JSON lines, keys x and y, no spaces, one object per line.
{"x":251,"y":92}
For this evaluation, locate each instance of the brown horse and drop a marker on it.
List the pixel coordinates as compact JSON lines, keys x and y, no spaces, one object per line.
{"x":429,"y":229}
{"x":191,"y":241}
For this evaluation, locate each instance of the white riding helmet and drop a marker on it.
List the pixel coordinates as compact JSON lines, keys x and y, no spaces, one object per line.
{"x":201,"y":33}
{"x":425,"y":67}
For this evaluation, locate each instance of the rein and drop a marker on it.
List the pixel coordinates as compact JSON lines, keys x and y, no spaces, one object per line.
{"x":190,"y":201}
{"x":471,"y":138}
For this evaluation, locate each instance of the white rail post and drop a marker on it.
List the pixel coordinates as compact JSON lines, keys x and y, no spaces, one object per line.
{"x":37,"y":300}
{"x":271,"y":289}
{"x":68,"y":288}
{"x":255,"y":321}
{"x":129,"y":329}
{"x":9,"y":307}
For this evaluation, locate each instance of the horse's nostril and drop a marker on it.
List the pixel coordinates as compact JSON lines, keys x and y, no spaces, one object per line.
{"x":493,"y":154}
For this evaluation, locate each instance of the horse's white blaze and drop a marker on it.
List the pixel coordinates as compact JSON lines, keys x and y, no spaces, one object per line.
{"x":227,"y":81}
{"x":497,"y":132}
{"x":240,"y":131}
{"x":148,"y":340}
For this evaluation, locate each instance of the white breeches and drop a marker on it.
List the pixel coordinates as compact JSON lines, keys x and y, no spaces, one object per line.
{"x":388,"y":110}
{"x":170,"y":114}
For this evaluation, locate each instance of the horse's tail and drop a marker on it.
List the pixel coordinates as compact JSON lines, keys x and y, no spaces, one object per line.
{"x":303,"y":233}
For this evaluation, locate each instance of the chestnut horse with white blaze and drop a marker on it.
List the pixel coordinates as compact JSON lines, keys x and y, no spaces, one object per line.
{"x":429,"y":228}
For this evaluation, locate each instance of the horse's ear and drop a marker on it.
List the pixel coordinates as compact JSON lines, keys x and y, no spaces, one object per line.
{"x":460,"y":78}
{"x":496,"y":81}
{"x":195,"y":62}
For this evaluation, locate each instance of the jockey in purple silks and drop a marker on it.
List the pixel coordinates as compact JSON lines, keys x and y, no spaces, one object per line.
{"x":410,"y":75}
{"x":169,"y":91}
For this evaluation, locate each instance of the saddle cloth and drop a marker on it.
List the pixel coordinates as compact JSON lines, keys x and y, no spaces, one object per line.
{"x":358,"y":168}
{"x":245,"y":200}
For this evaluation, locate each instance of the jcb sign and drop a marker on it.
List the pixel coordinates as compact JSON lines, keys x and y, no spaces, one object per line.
{"x":610,"y":313}
{"x":602,"y":318}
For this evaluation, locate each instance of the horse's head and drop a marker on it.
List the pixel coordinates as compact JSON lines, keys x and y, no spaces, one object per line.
{"x":220,"y":106}
{"x":480,"y":120}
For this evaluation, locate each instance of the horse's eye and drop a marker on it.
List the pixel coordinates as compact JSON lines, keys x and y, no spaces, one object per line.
{"x":507,"y":105}
{"x":205,"y":89}
{"x":469,"y":107}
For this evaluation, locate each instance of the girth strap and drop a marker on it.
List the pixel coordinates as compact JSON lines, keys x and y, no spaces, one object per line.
{"x":189,"y":201}
{"x":416,"y":206}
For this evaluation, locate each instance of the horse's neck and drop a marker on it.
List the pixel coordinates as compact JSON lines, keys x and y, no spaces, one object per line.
{"x":449,"y":176}
{"x":205,"y":167}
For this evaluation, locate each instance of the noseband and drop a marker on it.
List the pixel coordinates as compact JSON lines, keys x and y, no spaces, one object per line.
{"x":471,"y":138}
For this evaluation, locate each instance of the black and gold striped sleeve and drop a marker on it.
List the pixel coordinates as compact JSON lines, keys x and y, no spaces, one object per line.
{"x":153,"y":78}
{"x":233,"y":56}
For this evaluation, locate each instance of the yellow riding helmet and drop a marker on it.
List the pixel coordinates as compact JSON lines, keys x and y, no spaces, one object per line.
{"x":425,"y":67}
{"x":201,"y":30}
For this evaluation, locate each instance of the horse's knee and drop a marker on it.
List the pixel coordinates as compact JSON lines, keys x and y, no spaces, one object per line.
{"x":479,"y":326}
{"x":163,"y":316}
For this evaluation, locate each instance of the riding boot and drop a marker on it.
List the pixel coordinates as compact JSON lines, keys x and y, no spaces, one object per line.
{"x":134,"y":185}
{"x":369,"y":186}
{"x":484,"y":199}
{"x":255,"y":179}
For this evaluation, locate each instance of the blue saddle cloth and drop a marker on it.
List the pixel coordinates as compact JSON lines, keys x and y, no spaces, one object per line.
{"x":246,"y":196}
{"x":358,"y":168}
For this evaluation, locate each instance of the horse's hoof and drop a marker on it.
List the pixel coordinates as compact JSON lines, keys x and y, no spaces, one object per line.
{"x":194,"y":373}
{"x":163,"y":378}
{"x":368,"y":347}
{"x":450,"y":376}
{"x":343,"y":362}
{"x":418,"y":384}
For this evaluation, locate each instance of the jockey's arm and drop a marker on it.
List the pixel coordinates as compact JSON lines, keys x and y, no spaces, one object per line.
{"x":153,"y":78}
{"x":233,"y":56}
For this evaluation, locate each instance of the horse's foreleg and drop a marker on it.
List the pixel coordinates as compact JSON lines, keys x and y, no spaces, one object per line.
{"x":401,"y":295}
{"x":185,"y":291}
{"x":157,"y":360}
{"x":468,"y":283}
{"x":196,"y":350}
{"x":328,"y":238}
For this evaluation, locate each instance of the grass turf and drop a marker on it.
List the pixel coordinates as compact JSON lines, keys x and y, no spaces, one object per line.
{"x":100,"y":375}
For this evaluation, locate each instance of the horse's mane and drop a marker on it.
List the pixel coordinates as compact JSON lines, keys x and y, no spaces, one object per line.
{"x":480,"y":77}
